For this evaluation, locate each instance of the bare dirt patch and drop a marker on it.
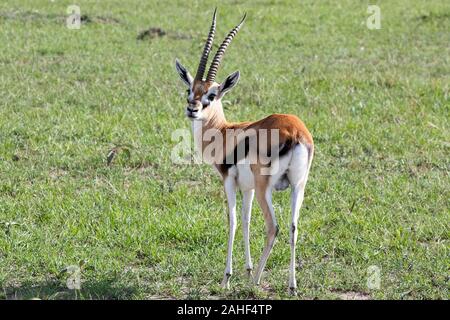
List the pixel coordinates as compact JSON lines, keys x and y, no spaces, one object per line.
{"x":352,"y":295}
{"x":157,"y":32}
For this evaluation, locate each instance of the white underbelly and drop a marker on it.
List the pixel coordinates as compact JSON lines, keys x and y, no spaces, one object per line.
{"x":245,"y":178}
{"x":280,"y":176}
{"x":243,"y":175}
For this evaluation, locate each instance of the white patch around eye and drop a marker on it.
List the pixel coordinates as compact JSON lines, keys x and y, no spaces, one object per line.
{"x":205,"y":100}
{"x":205,"y":97}
{"x":214,"y":90}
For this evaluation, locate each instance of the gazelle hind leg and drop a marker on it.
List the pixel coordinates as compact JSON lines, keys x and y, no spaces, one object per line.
{"x":264,"y":197}
{"x":247,"y":199}
{"x":230,"y":190}
{"x":296,"y":202}
{"x":298,"y":175}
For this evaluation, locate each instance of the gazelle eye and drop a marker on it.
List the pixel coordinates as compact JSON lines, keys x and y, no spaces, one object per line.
{"x":211,"y":97}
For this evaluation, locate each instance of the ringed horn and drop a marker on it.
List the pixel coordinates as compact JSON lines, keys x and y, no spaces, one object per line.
{"x":207,"y":49}
{"x":220,"y":52}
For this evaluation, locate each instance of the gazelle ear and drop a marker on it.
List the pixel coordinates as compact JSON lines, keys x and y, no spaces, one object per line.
{"x":229,"y":83}
{"x":183,"y":73}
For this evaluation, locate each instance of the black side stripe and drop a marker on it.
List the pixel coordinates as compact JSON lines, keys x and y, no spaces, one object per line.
{"x":283,"y":149}
{"x":226,"y":160}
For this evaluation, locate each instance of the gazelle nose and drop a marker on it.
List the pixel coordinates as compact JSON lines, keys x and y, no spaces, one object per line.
{"x":194,"y":106}
{"x":192,"y":109}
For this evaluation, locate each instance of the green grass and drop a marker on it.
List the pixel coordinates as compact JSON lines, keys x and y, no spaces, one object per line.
{"x":376,"y":102}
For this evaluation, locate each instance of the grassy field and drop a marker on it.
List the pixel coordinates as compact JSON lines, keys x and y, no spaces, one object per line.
{"x":376,"y":102}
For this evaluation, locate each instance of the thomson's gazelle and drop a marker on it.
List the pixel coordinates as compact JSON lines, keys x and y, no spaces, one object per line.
{"x":286,"y":161}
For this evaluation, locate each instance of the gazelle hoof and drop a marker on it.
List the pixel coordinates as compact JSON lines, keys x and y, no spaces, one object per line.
{"x":225,"y":285}
{"x":250,"y":274}
{"x":292,"y":291}
{"x":226,"y":281}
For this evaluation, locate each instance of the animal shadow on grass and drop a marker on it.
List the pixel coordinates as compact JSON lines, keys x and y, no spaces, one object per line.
{"x":104,"y":289}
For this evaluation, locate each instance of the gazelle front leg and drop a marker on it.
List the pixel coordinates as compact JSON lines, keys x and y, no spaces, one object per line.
{"x":247,"y":199}
{"x":230,"y":190}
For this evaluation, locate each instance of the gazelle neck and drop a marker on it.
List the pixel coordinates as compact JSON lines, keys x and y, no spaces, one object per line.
{"x":216,"y":117}
{"x":216,"y":120}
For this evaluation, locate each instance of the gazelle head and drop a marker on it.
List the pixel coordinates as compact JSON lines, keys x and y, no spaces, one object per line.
{"x":204,"y":94}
